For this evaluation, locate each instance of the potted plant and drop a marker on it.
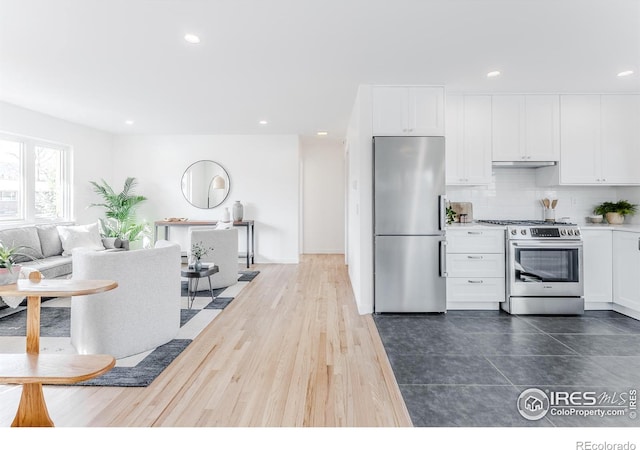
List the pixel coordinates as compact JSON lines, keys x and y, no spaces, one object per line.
{"x":614,"y":212}
{"x":120,"y":219}
{"x":198,"y":250}
{"x":9,"y":270}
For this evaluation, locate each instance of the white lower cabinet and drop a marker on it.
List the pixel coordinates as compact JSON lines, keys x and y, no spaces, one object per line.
{"x":475,"y":268}
{"x":626,"y":271}
{"x":597,"y":262}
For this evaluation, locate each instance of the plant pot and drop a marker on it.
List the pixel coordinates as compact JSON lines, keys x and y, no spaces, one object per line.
{"x":9,"y":276}
{"x":614,"y":218}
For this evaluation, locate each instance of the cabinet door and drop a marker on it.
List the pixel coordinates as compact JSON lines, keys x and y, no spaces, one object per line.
{"x":426,"y":111}
{"x":477,"y":139}
{"x":453,"y":140}
{"x":507,"y":122}
{"x":542,"y":127}
{"x":580,"y":161}
{"x":621,"y":139}
{"x":390,"y":110}
{"x":598,"y":265}
{"x":626,"y":269}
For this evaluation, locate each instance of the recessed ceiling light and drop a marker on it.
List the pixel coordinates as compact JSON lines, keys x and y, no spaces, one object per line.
{"x":129,"y":122}
{"x":192,"y":38}
{"x":322,"y":133}
{"x":626,"y":73}
{"x":493,"y":74}
{"x":263,"y":122}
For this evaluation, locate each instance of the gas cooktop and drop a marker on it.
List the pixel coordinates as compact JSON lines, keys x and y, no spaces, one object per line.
{"x":524,"y":222}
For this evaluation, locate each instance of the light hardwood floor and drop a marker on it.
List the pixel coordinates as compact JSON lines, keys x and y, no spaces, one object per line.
{"x":290,"y":350}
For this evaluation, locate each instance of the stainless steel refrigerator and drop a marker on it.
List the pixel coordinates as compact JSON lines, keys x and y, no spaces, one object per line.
{"x":409,"y":218}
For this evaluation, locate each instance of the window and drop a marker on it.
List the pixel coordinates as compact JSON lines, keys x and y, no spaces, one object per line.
{"x":34,"y":180}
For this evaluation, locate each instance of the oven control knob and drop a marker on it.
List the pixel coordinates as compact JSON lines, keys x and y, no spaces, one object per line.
{"x":577,"y":233}
{"x":563,"y":232}
{"x":514,"y":231}
{"x":523,"y":231}
{"x":570,"y":232}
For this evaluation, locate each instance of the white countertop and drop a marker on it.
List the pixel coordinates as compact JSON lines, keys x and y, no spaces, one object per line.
{"x":631,"y":228}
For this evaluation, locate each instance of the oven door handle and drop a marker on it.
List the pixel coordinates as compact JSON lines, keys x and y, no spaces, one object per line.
{"x":567,"y":245}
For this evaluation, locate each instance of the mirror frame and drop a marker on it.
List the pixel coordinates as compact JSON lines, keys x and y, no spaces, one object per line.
{"x":224,"y":174}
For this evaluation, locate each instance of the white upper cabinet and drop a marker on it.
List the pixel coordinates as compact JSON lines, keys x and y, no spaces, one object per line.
{"x":408,"y":111}
{"x":525,"y":127}
{"x":620,"y":134}
{"x":468,"y":139}
{"x":600,"y":139}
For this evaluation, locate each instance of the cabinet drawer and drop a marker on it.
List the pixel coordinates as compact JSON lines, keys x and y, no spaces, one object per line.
{"x":475,"y":265}
{"x":475,"y":289}
{"x":475,"y":241}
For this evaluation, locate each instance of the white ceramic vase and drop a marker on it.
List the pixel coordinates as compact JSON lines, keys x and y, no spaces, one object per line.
{"x":238,"y":211}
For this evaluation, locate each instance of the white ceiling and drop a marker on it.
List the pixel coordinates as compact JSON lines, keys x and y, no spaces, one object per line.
{"x":296,"y":63}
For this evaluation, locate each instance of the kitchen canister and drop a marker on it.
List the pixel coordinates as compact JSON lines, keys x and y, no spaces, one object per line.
{"x":238,"y":211}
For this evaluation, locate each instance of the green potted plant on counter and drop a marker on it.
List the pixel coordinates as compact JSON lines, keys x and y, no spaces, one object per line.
{"x":614,"y":212}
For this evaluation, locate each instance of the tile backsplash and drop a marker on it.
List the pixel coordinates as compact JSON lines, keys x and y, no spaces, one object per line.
{"x":513,"y":194}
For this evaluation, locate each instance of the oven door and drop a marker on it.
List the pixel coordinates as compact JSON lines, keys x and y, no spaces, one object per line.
{"x":545,"y":269}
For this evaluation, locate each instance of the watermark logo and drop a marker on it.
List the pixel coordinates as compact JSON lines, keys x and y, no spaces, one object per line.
{"x":533,"y":404}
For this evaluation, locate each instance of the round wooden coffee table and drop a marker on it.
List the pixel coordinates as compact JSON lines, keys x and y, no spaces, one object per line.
{"x":193,"y":277}
{"x":31,"y":369}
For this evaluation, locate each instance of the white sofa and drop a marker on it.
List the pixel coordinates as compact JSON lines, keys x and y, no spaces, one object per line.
{"x":142,"y":313}
{"x":43,"y":248}
{"x":225,"y":254}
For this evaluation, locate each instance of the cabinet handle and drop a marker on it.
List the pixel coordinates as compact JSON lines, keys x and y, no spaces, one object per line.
{"x":474,"y":232}
{"x":475,"y":281}
{"x":638,"y":243}
{"x":480,"y":257}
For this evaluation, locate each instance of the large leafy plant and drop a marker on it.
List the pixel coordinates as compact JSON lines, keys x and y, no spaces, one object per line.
{"x":120,"y":208}
{"x":622,"y":207}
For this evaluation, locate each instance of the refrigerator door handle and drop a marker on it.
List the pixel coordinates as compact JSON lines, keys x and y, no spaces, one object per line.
{"x":442,"y":213}
{"x":443,"y":259}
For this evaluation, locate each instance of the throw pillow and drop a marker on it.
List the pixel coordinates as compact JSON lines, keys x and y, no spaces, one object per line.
{"x":80,"y":236}
{"x":26,"y":238}
{"x":49,"y":240}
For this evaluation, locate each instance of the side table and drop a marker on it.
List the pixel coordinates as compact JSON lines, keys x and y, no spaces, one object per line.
{"x":193,"y":276}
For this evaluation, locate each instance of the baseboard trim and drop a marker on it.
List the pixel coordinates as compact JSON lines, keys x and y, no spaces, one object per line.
{"x":455,"y":306}
{"x":626,"y":311}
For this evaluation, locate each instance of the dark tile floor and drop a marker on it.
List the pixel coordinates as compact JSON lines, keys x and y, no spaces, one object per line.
{"x":467,"y":368}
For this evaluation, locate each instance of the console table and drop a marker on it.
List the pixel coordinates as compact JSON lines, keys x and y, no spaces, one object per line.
{"x":31,"y":369}
{"x":247,"y":224}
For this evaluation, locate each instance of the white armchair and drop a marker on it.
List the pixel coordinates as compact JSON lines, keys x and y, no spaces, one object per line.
{"x":225,"y":254}
{"x":142,"y":313}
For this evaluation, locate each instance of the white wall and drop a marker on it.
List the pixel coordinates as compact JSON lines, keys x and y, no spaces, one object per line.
{"x":323,"y":195}
{"x":264,"y":177}
{"x":360,"y":203}
{"x":92,"y":152}
{"x":513,"y":194}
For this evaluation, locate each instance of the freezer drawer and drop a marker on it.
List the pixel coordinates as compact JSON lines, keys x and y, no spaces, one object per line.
{"x":407,"y":274}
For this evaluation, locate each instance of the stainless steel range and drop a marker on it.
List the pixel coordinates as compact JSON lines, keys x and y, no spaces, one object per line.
{"x":544,"y":268}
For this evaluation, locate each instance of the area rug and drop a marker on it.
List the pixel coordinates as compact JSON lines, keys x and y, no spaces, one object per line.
{"x":134,"y":371}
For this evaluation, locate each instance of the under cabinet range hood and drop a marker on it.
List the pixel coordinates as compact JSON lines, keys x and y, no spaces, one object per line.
{"x":523,"y":164}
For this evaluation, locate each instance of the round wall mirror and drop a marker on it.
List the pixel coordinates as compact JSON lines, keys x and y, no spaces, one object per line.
{"x":205,"y":184}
